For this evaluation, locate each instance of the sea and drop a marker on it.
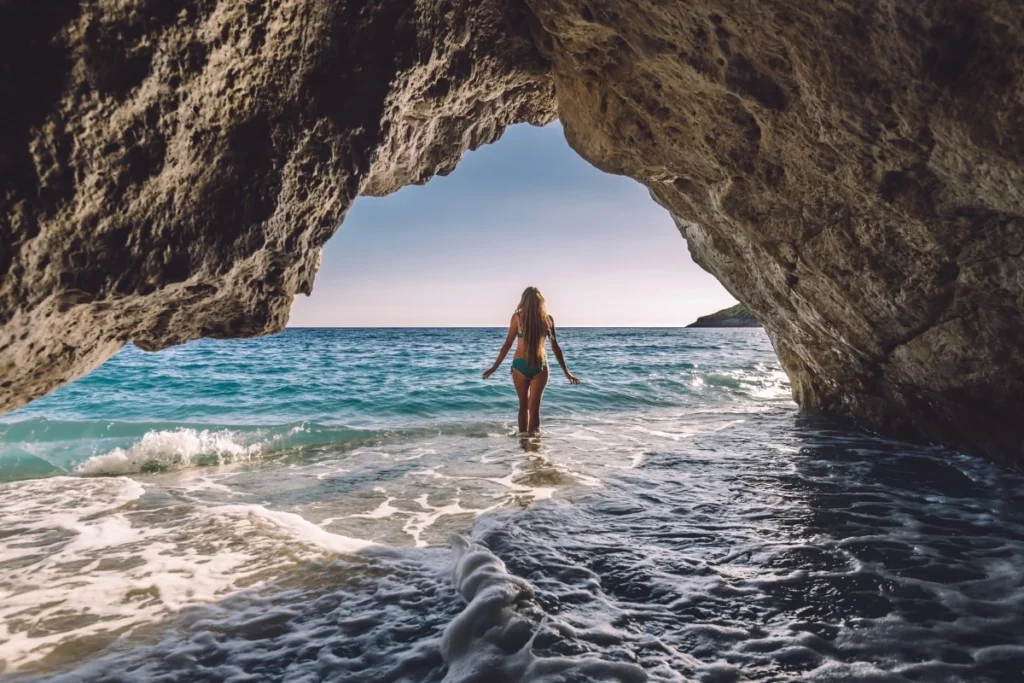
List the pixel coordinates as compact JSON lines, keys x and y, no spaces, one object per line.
{"x":356,"y":505}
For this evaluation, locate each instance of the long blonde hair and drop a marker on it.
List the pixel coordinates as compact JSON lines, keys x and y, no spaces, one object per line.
{"x":534,"y":323}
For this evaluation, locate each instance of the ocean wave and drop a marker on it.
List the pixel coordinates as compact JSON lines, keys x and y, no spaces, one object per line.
{"x":175,"y":449}
{"x":185,"y":447}
{"x":37,"y":448}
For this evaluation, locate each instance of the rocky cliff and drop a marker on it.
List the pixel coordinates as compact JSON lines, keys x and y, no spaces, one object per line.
{"x":734,"y":316}
{"x":852,"y":171}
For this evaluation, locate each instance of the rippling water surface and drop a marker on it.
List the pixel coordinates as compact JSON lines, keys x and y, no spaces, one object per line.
{"x":354,"y":505}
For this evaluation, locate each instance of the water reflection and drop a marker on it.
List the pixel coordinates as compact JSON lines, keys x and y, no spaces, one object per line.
{"x":767,"y":547}
{"x":790,"y":548}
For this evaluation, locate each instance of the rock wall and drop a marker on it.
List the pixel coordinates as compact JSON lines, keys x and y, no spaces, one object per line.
{"x":170,"y":169}
{"x":853,"y":171}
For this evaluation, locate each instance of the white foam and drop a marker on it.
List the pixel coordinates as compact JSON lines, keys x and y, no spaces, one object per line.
{"x":90,"y":564}
{"x":198,"y":484}
{"x":382,"y":511}
{"x":296,"y":527}
{"x":421,"y":521}
{"x":518,"y":492}
{"x":171,"y":449}
{"x":62,"y":523}
{"x":489,"y":641}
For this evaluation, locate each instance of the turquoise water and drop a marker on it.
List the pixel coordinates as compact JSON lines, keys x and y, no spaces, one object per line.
{"x":216,"y":400}
{"x":355,"y":505}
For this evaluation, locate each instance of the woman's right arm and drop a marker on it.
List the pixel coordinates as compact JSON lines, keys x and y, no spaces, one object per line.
{"x":573,"y":379}
{"x":513,"y":327}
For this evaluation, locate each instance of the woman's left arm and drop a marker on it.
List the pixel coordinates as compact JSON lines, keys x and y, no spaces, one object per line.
{"x":573,"y":379}
{"x":513,"y":327}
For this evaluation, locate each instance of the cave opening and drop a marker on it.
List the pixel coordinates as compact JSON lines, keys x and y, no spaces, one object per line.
{"x":525,"y":210}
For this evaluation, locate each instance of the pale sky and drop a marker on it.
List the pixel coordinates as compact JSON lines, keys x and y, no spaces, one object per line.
{"x":527,"y":210}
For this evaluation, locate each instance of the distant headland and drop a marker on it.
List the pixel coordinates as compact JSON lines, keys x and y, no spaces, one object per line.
{"x":734,"y":316}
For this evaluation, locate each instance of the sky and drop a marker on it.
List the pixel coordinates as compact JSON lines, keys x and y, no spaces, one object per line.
{"x":526,"y":210}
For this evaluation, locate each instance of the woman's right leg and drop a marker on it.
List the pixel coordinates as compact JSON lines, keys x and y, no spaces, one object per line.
{"x":523,"y":391}
{"x":537,"y":384}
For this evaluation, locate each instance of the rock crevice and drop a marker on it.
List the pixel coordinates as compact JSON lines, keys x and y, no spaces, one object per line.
{"x":852,"y":172}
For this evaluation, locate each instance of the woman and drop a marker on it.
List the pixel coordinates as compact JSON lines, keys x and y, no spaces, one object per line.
{"x":530,"y":325}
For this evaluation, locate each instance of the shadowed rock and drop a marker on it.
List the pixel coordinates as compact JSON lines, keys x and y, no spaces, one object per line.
{"x":170,"y":170}
{"x":852,"y":172}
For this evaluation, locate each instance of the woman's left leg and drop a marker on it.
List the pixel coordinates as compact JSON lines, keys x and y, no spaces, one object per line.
{"x":522,"y":383}
{"x":537,"y":385}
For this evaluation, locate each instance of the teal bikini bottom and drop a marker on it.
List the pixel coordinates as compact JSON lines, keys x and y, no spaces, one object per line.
{"x":528,"y":371}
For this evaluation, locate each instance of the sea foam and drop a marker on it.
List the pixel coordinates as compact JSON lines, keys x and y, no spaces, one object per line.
{"x":158,"y":451}
{"x":489,"y":642}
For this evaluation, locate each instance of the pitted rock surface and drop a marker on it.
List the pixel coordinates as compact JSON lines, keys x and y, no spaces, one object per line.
{"x":851,"y":171}
{"x":171,"y":170}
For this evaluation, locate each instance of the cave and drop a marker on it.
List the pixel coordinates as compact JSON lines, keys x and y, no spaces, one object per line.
{"x":852,"y":172}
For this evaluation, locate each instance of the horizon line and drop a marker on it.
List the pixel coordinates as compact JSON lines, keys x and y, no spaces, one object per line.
{"x":496,"y":327}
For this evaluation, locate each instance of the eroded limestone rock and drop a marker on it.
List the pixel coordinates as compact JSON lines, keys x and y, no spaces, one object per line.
{"x":170,"y":170}
{"x":852,"y":171}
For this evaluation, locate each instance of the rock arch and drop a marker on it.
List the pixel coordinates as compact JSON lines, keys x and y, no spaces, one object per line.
{"x":853,"y":172}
